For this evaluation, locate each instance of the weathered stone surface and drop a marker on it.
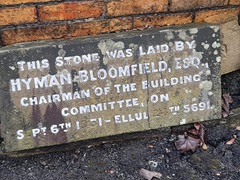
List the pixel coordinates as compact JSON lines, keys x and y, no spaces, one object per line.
{"x":65,"y":91}
{"x":230,"y":46}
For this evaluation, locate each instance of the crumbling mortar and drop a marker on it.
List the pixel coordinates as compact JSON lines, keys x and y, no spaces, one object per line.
{"x":37,"y":14}
{"x":193,"y":17}
{"x":169,"y":5}
{"x":1,"y":44}
{"x":148,"y":94}
{"x":104,"y":11}
{"x":30,"y":4}
{"x":239,"y":18}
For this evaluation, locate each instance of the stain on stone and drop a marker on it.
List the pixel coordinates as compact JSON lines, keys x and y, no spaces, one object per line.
{"x":35,"y":120}
{"x":52,"y":69}
{"x":135,"y":50}
{"x":52,"y":117}
{"x":74,"y":76}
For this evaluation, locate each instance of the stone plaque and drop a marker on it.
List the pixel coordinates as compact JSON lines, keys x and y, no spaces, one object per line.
{"x":65,"y":91}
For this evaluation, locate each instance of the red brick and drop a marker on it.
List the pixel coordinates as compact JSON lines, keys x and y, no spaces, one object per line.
{"x":127,"y":7}
{"x":99,"y":27}
{"x":163,"y":20}
{"x":216,"y":16}
{"x":219,"y":2}
{"x":12,"y":2}
{"x":19,"y":15}
{"x":179,"y":5}
{"x":71,"y":10}
{"x":120,"y":24}
{"x":234,"y":2}
{"x":12,"y":36}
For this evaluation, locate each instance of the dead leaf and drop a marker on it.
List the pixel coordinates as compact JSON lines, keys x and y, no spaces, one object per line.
{"x":202,"y":133}
{"x":149,"y":174}
{"x":204,"y":146}
{"x":150,"y":146}
{"x":186,"y":143}
{"x":199,"y":131}
{"x":226,"y":101}
{"x":224,"y":114}
{"x":194,"y":132}
{"x":192,"y":139}
{"x":231,"y":141}
{"x":197,"y":126}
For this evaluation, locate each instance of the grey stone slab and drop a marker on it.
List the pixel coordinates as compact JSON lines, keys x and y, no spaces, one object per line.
{"x":55,"y":92}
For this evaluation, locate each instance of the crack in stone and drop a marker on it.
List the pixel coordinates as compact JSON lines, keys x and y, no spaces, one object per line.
{"x":147,"y":97}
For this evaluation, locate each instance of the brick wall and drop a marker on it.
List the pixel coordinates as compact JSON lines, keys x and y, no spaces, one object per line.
{"x":30,"y":20}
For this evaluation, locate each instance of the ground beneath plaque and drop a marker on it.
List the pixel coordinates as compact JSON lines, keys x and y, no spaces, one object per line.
{"x":122,"y":159}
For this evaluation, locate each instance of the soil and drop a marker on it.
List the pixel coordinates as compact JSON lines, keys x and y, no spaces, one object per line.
{"x":122,"y":158}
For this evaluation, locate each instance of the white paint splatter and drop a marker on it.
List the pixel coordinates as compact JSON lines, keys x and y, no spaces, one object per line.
{"x":169,"y":35}
{"x":208,"y":72}
{"x":206,"y":46}
{"x":193,"y":31}
{"x":61,"y":52}
{"x":108,"y":45}
{"x":170,"y":44}
{"x":108,"y":83}
{"x":215,"y":110}
{"x":210,"y":93}
{"x":218,"y":59}
{"x":215,"y":52}
{"x":194,"y":99}
{"x":133,"y":46}
{"x":183,"y":35}
{"x":206,"y":85}
{"x":215,"y":28}
{"x":105,"y":60}
{"x":183,"y":121}
{"x":216,"y":44}
{"x":197,"y":54}
{"x":12,"y":67}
